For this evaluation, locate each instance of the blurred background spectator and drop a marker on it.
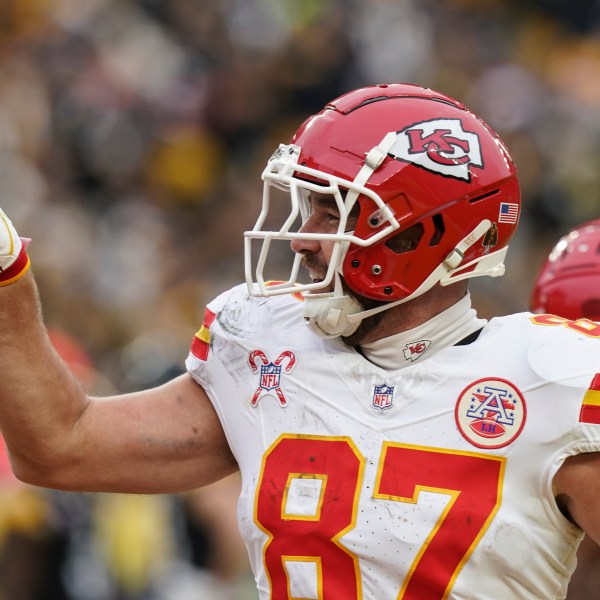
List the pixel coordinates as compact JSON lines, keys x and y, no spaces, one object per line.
{"x":132,"y":138}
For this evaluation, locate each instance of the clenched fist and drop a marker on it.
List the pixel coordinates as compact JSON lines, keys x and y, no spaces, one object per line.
{"x":14,"y":261}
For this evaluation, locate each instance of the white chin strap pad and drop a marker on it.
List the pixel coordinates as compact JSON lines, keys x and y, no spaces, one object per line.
{"x":326,"y":315}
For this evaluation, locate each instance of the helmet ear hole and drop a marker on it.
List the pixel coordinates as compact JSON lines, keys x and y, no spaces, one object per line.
{"x":440,"y":229}
{"x":407,"y":240}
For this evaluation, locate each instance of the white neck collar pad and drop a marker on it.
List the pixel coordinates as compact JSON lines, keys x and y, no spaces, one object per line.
{"x":444,"y":330}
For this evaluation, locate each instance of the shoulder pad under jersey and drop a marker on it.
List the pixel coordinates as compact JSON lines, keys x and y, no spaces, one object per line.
{"x":561,"y":350}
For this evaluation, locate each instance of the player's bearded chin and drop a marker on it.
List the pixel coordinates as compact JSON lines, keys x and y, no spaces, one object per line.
{"x":318,"y":268}
{"x":366,"y":325}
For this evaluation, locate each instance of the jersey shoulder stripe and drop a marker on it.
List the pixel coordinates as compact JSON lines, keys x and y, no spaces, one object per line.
{"x":590,"y":407}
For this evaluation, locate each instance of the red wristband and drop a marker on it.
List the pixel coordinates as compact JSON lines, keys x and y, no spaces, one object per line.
{"x":16,"y":270}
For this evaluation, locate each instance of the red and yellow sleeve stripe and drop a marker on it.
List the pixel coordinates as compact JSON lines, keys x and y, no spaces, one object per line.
{"x":201,"y":341}
{"x":590,"y":407}
{"x":16,"y":270}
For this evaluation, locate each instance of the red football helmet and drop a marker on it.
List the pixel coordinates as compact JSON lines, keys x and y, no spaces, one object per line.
{"x":437,"y":193}
{"x":568,"y":284}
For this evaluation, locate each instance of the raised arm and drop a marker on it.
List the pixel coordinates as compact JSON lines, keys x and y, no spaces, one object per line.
{"x":164,"y":439}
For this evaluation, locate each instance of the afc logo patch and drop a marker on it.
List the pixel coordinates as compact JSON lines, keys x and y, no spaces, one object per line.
{"x":490,"y":413}
{"x":270,"y":374}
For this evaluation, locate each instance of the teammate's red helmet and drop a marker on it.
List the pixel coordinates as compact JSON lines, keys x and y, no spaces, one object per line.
{"x":568,"y":284}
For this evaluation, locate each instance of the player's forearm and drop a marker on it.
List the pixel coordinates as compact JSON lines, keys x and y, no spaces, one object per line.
{"x":40,"y":401}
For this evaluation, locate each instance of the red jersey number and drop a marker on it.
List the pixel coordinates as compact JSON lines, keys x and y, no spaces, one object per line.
{"x":334,"y":468}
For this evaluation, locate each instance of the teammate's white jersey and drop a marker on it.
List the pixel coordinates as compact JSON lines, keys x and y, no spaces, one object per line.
{"x":434,"y":481}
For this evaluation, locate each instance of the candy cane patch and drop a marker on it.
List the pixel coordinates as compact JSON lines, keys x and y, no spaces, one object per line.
{"x":269,"y":373}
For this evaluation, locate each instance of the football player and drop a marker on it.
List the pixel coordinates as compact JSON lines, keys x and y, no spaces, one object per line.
{"x":391,"y":444}
{"x":568,"y":285}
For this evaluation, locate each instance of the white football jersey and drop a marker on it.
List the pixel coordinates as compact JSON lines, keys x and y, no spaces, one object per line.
{"x":430,"y":482}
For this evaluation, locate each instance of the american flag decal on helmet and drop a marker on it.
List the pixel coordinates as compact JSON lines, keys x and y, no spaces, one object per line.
{"x":509,"y":213}
{"x":201,"y":341}
{"x":590,"y":407}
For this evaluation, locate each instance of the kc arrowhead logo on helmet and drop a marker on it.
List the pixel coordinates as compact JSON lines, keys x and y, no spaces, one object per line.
{"x":441,"y":146}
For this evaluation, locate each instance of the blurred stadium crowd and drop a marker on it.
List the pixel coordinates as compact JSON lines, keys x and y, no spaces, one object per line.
{"x":133,"y":134}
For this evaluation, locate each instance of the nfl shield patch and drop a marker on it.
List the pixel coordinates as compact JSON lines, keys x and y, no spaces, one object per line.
{"x":383,"y":397}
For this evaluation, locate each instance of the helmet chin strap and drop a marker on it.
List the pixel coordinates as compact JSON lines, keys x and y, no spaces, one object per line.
{"x":327,"y":314}
{"x":335,"y":314}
